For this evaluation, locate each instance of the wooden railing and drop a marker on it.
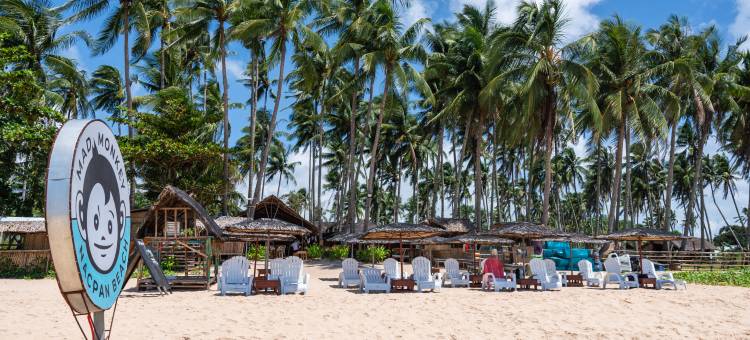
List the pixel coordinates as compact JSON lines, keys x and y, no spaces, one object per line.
{"x":25,"y":258}
{"x":684,"y":260}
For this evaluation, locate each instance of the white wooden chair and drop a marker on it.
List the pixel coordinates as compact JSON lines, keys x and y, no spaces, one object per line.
{"x":423,"y":276}
{"x":624,"y":260}
{"x":456,"y":276}
{"x":614,"y":275}
{"x":392,"y":268}
{"x":234,"y":276}
{"x":372,"y":279}
{"x":662,"y":278}
{"x":588,"y":274}
{"x":275,"y":266}
{"x":548,"y":280}
{"x":349,"y":274}
{"x":552,"y":269}
{"x":293,"y":277}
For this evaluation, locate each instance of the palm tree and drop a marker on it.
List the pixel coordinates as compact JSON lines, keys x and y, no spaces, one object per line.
{"x":279,"y":21}
{"x":199,"y":16}
{"x":68,"y":88}
{"x":279,"y":165}
{"x":393,"y":52}
{"x":107,"y":91}
{"x":552,"y":78}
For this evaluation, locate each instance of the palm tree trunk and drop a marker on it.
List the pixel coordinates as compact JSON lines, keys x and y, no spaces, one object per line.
{"x":459,"y":171}
{"x":729,"y":225}
{"x":352,"y":149}
{"x":374,"y":151}
{"x":628,"y":214}
{"x":670,"y":180}
{"x":548,"y":134}
{"x":225,"y":101}
{"x":736,"y":208}
{"x":128,"y":95}
{"x":253,"y":122}
{"x":613,"y":210}
{"x":272,"y":125}
{"x":747,"y":228}
{"x":478,"y":175}
{"x":440,"y":170}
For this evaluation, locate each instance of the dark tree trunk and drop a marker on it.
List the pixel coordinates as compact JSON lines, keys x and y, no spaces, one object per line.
{"x":616,"y":188}
{"x":225,"y":101}
{"x":352,"y":149}
{"x":253,"y":122}
{"x":374,"y":148}
{"x":670,"y":179}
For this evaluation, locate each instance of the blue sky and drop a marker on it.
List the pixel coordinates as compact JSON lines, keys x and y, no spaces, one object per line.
{"x":732,"y":18}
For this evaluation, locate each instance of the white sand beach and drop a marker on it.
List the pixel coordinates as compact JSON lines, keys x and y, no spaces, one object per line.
{"x":34,"y":309}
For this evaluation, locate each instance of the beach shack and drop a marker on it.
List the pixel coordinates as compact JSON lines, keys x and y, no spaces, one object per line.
{"x":184,"y":238}
{"x":273,"y":207}
{"x":452,"y":227}
{"x":23,"y":242}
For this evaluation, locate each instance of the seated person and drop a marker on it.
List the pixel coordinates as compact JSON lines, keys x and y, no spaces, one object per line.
{"x":492,"y":265}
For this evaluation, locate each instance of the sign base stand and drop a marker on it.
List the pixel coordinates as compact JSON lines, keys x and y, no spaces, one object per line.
{"x":99,"y":325}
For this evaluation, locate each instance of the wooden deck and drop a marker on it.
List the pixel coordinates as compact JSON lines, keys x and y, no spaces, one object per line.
{"x":179,"y":282}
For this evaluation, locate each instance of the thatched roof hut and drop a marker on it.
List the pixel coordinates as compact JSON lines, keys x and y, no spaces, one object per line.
{"x":273,"y":207}
{"x":401,"y":231}
{"x":452,"y":226}
{"x":22,"y":225}
{"x":521,"y":230}
{"x":478,"y":238}
{"x":642,"y":234}
{"x":184,"y":207}
{"x":266,"y":226}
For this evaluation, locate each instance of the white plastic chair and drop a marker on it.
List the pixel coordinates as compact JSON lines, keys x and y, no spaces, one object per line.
{"x":624,"y":260}
{"x":349,"y":274}
{"x":588,"y":274}
{"x":423,"y":276}
{"x":293,"y":278}
{"x":548,"y":280}
{"x":662,"y":278}
{"x":456,"y":276}
{"x":275,"y":266}
{"x":614,"y":275}
{"x":234,"y":276}
{"x":372,"y":279}
{"x":392,"y":268}
{"x":552,"y":269}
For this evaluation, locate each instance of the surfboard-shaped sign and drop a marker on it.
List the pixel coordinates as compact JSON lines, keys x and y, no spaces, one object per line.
{"x":88,"y":215}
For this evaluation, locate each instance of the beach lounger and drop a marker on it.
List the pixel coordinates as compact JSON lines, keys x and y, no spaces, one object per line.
{"x":293,"y":277}
{"x":548,"y":280}
{"x":624,"y":260}
{"x":490,"y":281}
{"x":275,"y":266}
{"x":614,"y":275}
{"x":662,"y":278}
{"x":392,"y":268}
{"x":349,"y":274}
{"x":552,"y":269}
{"x":454,"y":275}
{"x":423,"y":276}
{"x":234,"y":276}
{"x":588,"y":274}
{"x":372,"y":279}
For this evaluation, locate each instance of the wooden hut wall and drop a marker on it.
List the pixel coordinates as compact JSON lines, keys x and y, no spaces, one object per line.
{"x":36,"y":241}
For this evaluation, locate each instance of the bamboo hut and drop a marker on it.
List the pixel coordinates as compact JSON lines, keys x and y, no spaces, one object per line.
{"x":23,"y":242}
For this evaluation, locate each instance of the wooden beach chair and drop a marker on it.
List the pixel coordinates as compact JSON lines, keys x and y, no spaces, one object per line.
{"x":276,"y":266}
{"x":614,"y":275}
{"x":662,"y":278}
{"x":349,"y":274}
{"x":372,"y":279}
{"x":548,"y":280}
{"x":454,"y":275}
{"x":423,"y":277}
{"x":588,"y":274}
{"x":234,"y":276}
{"x":392,"y":268}
{"x":293,"y":277}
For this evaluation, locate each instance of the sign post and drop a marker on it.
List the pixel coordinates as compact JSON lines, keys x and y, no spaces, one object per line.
{"x":88,"y":217}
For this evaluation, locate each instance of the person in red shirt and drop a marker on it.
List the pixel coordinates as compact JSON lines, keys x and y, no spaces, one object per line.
{"x":494,"y":266}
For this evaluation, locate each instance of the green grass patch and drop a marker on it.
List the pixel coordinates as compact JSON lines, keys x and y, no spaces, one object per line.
{"x":739,"y":278}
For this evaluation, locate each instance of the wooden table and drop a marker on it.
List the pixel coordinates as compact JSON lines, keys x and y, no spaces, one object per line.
{"x":574,"y":280}
{"x":402,"y":284}
{"x":643,"y":281}
{"x":265,"y":285}
{"x":476,"y":280}
{"x":527,"y":283}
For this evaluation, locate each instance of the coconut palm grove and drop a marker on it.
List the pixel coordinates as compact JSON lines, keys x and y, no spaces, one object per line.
{"x":396,"y":119}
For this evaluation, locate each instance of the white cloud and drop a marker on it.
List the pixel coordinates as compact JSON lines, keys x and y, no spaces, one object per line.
{"x":741,"y":24}
{"x":235,"y":68}
{"x":417,"y":9}
{"x":74,"y":53}
{"x":582,"y":20}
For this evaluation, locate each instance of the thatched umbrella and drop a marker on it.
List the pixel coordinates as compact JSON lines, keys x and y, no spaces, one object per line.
{"x":401,"y":232}
{"x":522,"y":231}
{"x":639,"y":235}
{"x":475,"y":239}
{"x":266,"y":228}
{"x":428,"y":241}
{"x":571,"y":238}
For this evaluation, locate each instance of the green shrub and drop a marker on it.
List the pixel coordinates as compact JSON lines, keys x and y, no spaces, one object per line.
{"x":35,"y":270}
{"x":256,"y":252}
{"x":373,"y":253}
{"x":314,"y":251}
{"x":337,"y":252}
{"x":168,"y":266}
{"x":740,"y":278}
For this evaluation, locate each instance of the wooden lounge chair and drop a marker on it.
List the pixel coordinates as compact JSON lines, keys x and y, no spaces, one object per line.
{"x":293,"y":277}
{"x":588,"y":274}
{"x":234,"y":276}
{"x":454,"y":275}
{"x":552,"y":269}
{"x":372,"y":279}
{"x":546,"y":279}
{"x":614,"y":275}
{"x":275,"y":267}
{"x":423,"y":276}
{"x":662,"y":278}
{"x":392,"y":268}
{"x":349,"y":274}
